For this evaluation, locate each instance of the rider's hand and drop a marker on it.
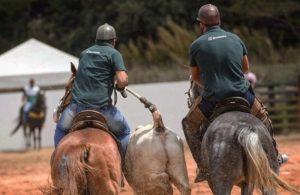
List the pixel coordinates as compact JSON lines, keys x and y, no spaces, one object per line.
{"x":121,"y":90}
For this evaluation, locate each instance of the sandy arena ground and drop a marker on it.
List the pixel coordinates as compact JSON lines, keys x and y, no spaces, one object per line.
{"x":24,"y":173}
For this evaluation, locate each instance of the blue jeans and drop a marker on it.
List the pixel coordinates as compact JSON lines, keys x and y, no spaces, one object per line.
{"x":207,"y":107}
{"x":26,"y":109}
{"x":116,"y":122}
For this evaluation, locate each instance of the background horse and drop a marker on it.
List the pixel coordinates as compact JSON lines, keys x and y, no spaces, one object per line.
{"x":237,"y":150}
{"x":33,"y":126}
{"x":86,"y":161}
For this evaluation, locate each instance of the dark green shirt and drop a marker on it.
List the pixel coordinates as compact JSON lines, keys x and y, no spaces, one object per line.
{"x":94,"y":81}
{"x":219,"y":55}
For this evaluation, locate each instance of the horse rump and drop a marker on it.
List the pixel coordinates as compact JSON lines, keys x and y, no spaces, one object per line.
{"x":260,"y":174}
{"x":86,"y":162}
{"x":69,"y":171}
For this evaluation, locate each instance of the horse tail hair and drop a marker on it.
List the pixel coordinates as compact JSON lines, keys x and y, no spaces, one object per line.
{"x":20,"y":121}
{"x":260,"y":173}
{"x":72,"y":172}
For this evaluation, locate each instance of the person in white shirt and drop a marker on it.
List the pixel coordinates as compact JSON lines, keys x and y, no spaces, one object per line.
{"x":30,"y":93}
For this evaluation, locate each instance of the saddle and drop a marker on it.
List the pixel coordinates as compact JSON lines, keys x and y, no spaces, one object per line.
{"x":36,"y":114}
{"x":92,"y":119}
{"x":226,"y":105}
{"x":231,"y":104}
{"x":89,"y":118}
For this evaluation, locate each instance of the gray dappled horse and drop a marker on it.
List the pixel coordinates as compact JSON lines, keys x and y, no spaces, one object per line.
{"x":237,"y":149}
{"x":33,"y":126}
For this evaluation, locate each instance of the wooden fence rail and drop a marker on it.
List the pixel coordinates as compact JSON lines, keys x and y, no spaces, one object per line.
{"x":283,"y":103}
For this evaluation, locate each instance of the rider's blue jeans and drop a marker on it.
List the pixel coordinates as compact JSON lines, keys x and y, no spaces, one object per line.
{"x":116,"y":122}
{"x":207,"y":106}
{"x":26,"y":109}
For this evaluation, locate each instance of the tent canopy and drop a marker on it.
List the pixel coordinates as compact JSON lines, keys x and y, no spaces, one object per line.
{"x":34,"y":59}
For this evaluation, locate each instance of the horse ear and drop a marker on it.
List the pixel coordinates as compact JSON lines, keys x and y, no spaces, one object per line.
{"x":73,"y":68}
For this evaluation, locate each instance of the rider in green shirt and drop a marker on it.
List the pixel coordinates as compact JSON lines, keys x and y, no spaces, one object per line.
{"x":218,"y":61}
{"x":100,"y":66}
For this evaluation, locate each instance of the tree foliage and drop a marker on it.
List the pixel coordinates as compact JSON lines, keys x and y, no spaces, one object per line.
{"x":152,"y":33}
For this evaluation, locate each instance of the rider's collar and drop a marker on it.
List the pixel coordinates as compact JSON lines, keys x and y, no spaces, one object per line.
{"x":101,"y":43}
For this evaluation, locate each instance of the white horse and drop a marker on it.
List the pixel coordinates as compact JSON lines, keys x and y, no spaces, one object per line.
{"x":155,"y":159}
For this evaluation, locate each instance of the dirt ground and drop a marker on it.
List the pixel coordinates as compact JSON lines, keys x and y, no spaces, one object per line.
{"x":26,"y":172}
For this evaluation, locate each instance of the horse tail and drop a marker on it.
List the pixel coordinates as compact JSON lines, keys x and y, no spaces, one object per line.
{"x":72,"y":171}
{"x":259,"y":171}
{"x":20,"y":121}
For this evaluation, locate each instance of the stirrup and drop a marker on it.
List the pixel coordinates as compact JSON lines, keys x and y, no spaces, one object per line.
{"x":282,"y":158}
{"x":201,"y":175}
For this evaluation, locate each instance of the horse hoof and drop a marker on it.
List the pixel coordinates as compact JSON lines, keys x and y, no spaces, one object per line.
{"x":282,"y":158}
{"x":201,"y":176}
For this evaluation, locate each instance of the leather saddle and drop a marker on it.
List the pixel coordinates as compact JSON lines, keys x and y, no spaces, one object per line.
{"x":92,"y":119}
{"x":88,"y":119}
{"x":231,"y":104}
{"x":227,"y":105}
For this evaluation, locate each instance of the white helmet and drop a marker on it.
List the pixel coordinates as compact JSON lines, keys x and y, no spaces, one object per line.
{"x":105,"y":32}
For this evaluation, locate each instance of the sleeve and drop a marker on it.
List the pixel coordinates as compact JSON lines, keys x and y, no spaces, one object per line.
{"x":245,"y":52}
{"x":118,"y":62}
{"x":192,"y":56}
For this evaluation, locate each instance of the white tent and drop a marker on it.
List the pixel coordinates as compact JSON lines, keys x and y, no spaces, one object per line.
{"x":34,"y":59}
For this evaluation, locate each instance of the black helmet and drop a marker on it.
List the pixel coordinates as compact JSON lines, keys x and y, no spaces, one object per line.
{"x":105,"y":32}
{"x":209,"y":15}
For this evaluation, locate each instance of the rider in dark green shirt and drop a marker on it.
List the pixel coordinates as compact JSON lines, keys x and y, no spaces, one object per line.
{"x":99,"y":67}
{"x":218,"y":61}
{"x":219,"y":55}
{"x":95,"y":76}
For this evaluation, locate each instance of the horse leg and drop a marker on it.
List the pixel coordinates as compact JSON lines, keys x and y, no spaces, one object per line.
{"x":40,"y":137}
{"x":221,"y":187}
{"x":34,"y":137}
{"x":271,"y":192}
{"x":246,"y":189}
{"x":26,"y":136}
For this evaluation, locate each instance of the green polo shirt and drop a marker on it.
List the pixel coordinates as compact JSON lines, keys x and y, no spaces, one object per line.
{"x":94,"y":81}
{"x":219,"y":55}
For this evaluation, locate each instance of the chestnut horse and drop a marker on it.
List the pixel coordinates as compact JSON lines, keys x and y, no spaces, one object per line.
{"x":87,"y":160}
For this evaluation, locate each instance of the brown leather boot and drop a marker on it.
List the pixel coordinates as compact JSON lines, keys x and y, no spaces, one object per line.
{"x":191,"y":128}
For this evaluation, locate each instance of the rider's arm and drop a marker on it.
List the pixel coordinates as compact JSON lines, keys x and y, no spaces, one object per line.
{"x":245,"y":64}
{"x":196,"y":75}
{"x":122,"y":79}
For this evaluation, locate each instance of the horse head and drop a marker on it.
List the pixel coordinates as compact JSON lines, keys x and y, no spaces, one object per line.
{"x":66,"y":99}
{"x":70,"y":82}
